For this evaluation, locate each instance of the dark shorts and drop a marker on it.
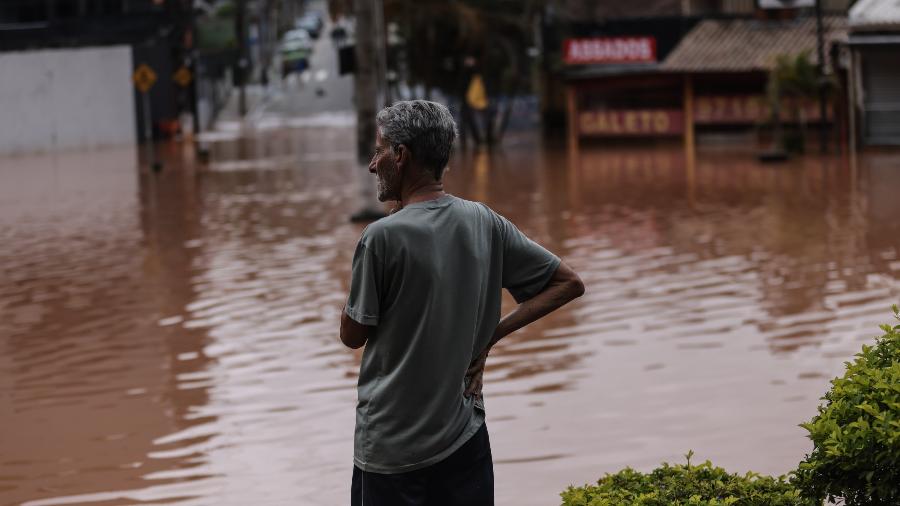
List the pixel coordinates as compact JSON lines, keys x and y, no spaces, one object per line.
{"x":465,"y":478}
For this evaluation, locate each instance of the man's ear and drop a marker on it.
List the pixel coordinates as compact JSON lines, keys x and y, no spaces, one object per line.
{"x":401,"y":156}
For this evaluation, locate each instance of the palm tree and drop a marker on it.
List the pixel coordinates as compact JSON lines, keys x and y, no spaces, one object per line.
{"x":793,"y":81}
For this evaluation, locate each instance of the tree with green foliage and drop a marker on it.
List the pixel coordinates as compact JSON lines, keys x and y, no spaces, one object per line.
{"x":445,"y":43}
{"x":793,"y":81}
{"x":686,"y":485}
{"x":856,"y":434}
{"x":855,"y":459}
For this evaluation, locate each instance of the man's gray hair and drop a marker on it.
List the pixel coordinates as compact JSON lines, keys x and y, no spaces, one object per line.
{"x":426,"y":128}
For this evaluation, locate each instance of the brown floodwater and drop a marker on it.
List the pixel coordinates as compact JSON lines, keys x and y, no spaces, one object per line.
{"x":171,"y":338}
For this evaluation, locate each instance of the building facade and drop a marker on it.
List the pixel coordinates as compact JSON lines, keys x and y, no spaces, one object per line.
{"x":873,"y":51}
{"x":157,"y":31}
{"x":196,"y":50}
{"x":698,"y":67}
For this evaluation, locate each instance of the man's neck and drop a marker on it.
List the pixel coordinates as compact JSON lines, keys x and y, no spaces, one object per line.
{"x":421,"y":192}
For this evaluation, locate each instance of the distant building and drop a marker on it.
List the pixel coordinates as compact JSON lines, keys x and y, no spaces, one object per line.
{"x":874,"y":54}
{"x":191,"y":46}
{"x":158,"y":31}
{"x":725,"y":64}
{"x":694,"y":65}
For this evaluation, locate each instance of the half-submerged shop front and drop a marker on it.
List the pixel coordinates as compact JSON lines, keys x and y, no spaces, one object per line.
{"x":714,"y":81}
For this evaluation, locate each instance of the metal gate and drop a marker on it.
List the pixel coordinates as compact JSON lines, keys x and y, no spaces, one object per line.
{"x":881,"y":84}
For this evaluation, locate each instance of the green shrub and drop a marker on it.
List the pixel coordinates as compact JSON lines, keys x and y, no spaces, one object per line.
{"x":856,"y":435}
{"x":683,"y":485}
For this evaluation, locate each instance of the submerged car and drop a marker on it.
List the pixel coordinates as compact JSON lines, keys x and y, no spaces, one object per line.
{"x":310,"y":22}
{"x":295,"y":50}
{"x":297,"y":37}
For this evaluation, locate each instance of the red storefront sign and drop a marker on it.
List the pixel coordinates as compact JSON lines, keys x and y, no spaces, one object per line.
{"x":631,"y":122}
{"x":609,"y":50}
{"x":747,"y":109}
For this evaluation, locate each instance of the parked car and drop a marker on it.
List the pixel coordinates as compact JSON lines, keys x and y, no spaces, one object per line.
{"x":317,"y":15}
{"x":311,"y":23}
{"x":295,"y":50}
{"x":297,"y":38}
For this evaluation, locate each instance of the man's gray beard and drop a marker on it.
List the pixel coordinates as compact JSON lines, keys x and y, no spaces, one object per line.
{"x":384,"y":189}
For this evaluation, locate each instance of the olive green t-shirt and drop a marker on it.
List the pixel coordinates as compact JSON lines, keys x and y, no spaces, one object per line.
{"x":429,"y":279}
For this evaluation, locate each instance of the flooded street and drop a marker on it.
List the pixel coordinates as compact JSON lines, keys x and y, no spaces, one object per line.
{"x":172,"y":338}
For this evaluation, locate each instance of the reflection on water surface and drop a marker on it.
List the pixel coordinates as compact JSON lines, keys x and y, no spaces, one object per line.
{"x":172,"y":338}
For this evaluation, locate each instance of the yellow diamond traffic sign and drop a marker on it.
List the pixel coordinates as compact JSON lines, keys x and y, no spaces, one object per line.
{"x":182,"y":76}
{"x":144,"y":78}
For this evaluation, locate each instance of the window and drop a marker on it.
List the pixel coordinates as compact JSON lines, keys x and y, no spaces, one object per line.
{"x":107,"y":7}
{"x":63,"y":9}
{"x":711,"y":7}
{"x":23,"y":11}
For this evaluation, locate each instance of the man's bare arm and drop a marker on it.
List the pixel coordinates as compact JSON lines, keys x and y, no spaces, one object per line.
{"x":354,"y":334}
{"x":563,"y":287}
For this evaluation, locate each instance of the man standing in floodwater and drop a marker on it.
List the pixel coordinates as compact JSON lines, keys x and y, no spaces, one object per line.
{"x":425,"y":298}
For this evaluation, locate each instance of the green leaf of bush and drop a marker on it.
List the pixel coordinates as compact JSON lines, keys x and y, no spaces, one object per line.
{"x":856,"y":453}
{"x":686,"y":485}
{"x":855,"y":458}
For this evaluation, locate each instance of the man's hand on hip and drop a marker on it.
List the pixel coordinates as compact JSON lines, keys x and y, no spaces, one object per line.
{"x":475,"y":375}
{"x":564,"y":286}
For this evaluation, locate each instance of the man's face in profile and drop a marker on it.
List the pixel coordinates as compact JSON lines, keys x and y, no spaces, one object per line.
{"x":386,"y":171}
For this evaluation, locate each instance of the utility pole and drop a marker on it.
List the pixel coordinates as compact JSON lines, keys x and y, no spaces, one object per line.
{"x":820,"y":85}
{"x":241,"y":34}
{"x":194,"y":55}
{"x":365,"y":79}
{"x":368,"y":98}
{"x":380,"y":47}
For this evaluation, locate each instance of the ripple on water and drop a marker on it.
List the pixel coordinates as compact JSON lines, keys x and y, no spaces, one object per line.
{"x":172,"y":338}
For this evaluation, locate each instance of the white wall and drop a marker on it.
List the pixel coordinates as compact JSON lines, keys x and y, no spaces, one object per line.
{"x":66,"y":99}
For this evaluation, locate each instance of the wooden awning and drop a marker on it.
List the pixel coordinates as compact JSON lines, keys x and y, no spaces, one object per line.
{"x":748,"y":45}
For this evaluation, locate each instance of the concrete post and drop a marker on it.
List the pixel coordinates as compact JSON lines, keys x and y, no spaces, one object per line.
{"x":366,"y":96}
{"x":689,"y":139}
{"x":572,"y":118}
